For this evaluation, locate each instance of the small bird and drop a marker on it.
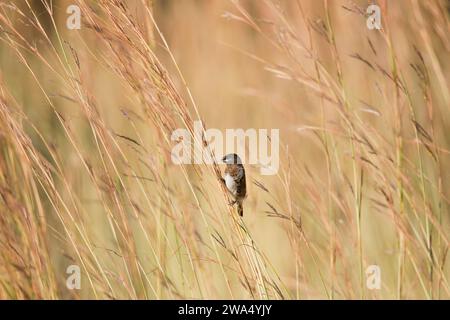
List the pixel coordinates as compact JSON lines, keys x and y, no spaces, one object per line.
{"x":234,"y":180}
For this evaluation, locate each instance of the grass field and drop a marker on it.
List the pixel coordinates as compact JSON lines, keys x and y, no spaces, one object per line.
{"x":86,"y":176}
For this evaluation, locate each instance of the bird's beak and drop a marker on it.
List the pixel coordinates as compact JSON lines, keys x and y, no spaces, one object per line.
{"x":224,"y":159}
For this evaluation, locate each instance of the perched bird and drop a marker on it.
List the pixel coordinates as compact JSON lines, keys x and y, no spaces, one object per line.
{"x":234,"y":180}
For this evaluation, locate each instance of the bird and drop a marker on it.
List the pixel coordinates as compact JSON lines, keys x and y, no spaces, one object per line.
{"x":234,"y":180}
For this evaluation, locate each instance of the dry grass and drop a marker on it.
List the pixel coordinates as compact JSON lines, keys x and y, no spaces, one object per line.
{"x":85,"y":170}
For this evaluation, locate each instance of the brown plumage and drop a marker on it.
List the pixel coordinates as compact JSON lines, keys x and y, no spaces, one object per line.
{"x":234,"y":180}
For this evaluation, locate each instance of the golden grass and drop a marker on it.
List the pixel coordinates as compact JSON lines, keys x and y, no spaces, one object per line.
{"x":86,"y":176}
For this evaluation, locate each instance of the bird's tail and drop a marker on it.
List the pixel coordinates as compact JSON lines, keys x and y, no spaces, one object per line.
{"x":240,"y":209}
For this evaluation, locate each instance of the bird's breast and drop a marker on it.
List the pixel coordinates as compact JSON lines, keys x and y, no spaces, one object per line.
{"x":230,"y":183}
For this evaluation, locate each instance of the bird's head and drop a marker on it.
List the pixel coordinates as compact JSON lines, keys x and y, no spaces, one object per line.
{"x":232,"y":158}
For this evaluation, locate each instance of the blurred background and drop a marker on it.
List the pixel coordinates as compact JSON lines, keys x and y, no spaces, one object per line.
{"x":86,"y":177}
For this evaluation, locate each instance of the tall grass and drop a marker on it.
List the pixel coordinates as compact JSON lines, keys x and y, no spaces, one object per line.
{"x":86,"y":176}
